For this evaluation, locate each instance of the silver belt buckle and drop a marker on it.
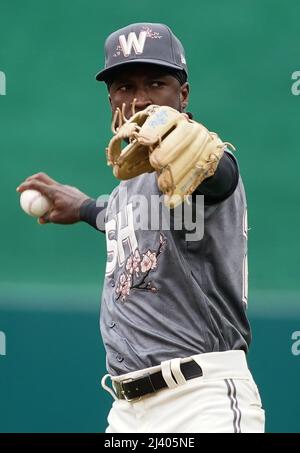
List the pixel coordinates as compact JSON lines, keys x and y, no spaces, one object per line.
{"x":130,"y":400}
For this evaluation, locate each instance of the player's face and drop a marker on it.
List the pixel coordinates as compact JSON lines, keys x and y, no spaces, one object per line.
{"x":148,"y":85}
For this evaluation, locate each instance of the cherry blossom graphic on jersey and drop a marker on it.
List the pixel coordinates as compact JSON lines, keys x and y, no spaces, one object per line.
{"x":136,"y":270}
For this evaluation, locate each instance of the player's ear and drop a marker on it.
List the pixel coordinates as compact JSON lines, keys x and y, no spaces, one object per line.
{"x":184,"y":95}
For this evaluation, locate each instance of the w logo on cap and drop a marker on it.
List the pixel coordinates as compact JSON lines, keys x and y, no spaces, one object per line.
{"x":142,"y":43}
{"x":133,"y":42}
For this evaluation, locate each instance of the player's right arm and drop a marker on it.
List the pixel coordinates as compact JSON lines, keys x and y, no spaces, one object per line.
{"x":69,"y":205}
{"x":89,"y":213}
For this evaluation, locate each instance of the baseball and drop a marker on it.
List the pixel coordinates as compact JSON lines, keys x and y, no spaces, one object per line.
{"x":34,"y":203}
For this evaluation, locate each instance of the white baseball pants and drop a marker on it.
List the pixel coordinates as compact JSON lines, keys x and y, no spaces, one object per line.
{"x":224,"y":399}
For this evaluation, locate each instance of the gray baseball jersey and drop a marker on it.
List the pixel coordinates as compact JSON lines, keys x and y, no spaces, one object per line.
{"x":165,"y":294}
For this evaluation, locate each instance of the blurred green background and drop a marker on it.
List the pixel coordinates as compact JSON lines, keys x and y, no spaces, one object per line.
{"x":55,"y":118}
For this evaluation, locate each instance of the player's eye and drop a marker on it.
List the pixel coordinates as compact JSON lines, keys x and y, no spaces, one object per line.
{"x":156,"y":83}
{"x":124,"y":87}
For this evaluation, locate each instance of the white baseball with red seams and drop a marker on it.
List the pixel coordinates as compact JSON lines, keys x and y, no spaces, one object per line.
{"x":34,"y":203}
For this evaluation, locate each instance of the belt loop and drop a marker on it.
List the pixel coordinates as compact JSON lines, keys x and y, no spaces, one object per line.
{"x":107,"y":388}
{"x":167,"y":375}
{"x":198,"y":358}
{"x":176,"y":370}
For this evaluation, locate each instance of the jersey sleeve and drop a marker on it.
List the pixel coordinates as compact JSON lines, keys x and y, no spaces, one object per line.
{"x":223,"y":183}
{"x":89,"y":213}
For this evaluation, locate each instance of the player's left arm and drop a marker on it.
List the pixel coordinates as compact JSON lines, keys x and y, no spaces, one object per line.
{"x":223,"y":183}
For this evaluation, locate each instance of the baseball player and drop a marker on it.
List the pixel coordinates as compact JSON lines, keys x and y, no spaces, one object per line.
{"x":173,"y":313}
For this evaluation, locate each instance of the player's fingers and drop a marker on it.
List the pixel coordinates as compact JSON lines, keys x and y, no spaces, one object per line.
{"x":52,"y":216}
{"x":43,"y":177}
{"x":44,"y":219}
{"x":46,"y":190}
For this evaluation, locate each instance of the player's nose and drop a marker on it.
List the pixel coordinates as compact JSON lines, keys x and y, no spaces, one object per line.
{"x":142,"y":99}
{"x":141,"y":104}
{"x":137,"y":105}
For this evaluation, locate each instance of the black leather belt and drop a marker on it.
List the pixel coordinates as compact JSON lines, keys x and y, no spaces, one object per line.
{"x":133,"y":389}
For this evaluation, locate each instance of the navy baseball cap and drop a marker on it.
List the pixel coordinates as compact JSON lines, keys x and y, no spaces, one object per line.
{"x":143,"y":43}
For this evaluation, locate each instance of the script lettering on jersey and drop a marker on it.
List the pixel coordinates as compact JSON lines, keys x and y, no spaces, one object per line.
{"x":120,"y":232}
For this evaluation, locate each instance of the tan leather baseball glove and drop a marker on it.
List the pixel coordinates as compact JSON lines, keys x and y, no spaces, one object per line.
{"x":183,"y":152}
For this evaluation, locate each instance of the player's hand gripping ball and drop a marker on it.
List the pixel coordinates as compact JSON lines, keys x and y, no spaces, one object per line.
{"x":34,"y":203}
